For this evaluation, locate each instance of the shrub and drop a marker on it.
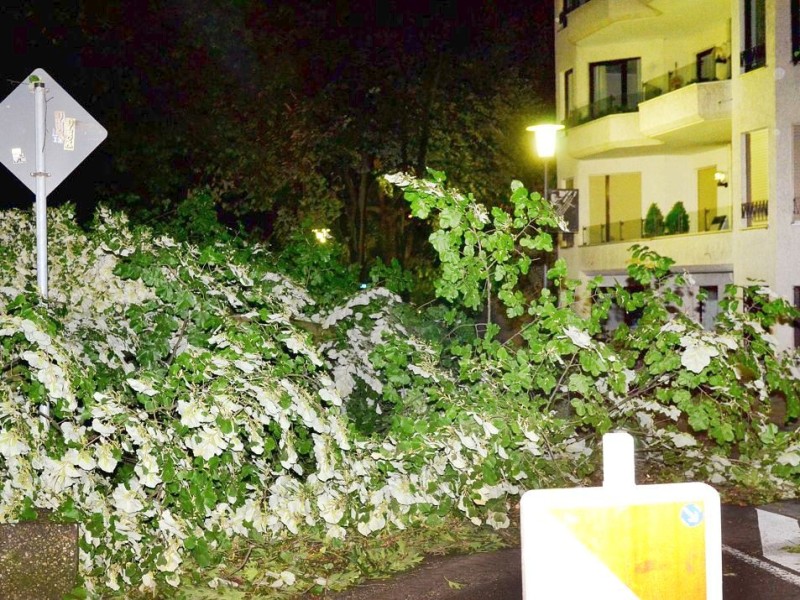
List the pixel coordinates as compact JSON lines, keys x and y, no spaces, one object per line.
{"x":654,"y":221}
{"x":677,"y":219}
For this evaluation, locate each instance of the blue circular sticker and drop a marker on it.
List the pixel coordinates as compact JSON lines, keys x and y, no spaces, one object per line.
{"x":692,"y":515}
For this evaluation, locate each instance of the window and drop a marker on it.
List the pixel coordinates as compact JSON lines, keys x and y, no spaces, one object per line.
{"x":708,"y":309}
{"x":706,"y":65}
{"x":615,"y":207}
{"x":614,"y":86}
{"x":617,"y":315}
{"x":569,"y":94}
{"x":707,"y":213}
{"x":795,"y":9}
{"x":756,"y":201}
{"x":754,"y":43}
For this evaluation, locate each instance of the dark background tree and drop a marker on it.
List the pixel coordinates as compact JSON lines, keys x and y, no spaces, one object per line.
{"x":290,"y":111}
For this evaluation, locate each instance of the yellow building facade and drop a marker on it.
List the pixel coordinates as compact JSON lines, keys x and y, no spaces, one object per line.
{"x":683,"y":133}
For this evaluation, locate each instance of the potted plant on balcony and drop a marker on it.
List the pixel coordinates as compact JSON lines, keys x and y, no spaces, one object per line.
{"x":677,"y":219}
{"x":653,"y":222}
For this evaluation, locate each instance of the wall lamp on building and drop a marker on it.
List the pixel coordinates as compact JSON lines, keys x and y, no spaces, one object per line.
{"x":721,"y":177}
{"x":545,"y":138}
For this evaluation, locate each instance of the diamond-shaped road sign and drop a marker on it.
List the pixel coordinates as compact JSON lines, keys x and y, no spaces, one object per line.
{"x":72,"y":133}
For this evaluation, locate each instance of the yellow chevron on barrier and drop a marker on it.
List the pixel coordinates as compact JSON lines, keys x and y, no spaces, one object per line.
{"x":657,"y":550}
{"x":621,"y":540}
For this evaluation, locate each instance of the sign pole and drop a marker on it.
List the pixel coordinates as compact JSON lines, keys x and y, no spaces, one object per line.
{"x":619,"y":467}
{"x":41,"y":190}
{"x":24,"y":139}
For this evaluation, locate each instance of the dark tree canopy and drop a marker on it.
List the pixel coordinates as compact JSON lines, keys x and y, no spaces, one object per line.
{"x":290,"y":111}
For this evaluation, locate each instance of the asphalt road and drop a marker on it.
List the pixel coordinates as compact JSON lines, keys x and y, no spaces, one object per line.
{"x":747,"y":573}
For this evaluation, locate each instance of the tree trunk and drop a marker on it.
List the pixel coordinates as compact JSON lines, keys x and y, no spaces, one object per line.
{"x":427,"y":110}
{"x":363,"y":188}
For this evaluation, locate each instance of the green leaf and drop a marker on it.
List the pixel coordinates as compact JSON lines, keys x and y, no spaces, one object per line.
{"x":450,"y":217}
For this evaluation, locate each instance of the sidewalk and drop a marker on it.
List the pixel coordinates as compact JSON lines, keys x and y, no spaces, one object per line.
{"x":746,"y":572}
{"x":486,"y":576}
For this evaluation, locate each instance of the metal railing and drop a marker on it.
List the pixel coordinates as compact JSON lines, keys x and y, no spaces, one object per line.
{"x":568,"y":7}
{"x":707,"y":220}
{"x":753,"y":58}
{"x":610,"y":105}
{"x":755,"y":212}
{"x":678,"y":78}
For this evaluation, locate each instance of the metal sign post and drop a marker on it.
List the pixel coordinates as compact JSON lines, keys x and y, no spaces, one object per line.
{"x":41,"y":190}
{"x":54,"y":126}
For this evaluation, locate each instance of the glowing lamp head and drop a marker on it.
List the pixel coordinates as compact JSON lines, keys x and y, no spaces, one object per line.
{"x":322,"y":235}
{"x":545,"y":136}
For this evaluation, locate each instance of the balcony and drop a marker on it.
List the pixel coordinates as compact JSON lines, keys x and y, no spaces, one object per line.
{"x":695,"y":114}
{"x":583,"y":18}
{"x":707,"y":221}
{"x":612,"y":105}
{"x":607,"y":129}
{"x":569,"y":6}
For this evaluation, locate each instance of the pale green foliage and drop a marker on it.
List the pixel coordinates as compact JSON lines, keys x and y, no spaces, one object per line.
{"x":480,"y":250}
{"x":171,"y":399}
{"x":716,"y":406}
{"x":180,"y":402}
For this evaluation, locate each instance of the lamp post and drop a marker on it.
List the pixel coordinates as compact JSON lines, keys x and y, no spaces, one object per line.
{"x":545,"y":137}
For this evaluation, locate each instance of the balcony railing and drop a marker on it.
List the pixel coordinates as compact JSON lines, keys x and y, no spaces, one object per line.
{"x":753,"y":58}
{"x":610,"y":105}
{"x":755,"y":212}
{"x":569,"y":6}
{"x":652,"y":88}
{"x":678,"y":78}
{"x":708,"y":220}
{"x":796,"y":210}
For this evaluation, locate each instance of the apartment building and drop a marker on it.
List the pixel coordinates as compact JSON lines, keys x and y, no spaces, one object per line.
{"x":682,"y":132}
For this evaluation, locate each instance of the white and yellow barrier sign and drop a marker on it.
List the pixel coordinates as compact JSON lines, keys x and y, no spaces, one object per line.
{"x":622,"y":541}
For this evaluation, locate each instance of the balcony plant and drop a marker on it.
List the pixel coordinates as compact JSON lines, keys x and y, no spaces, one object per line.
{"x":654,"y":221}
{"x":677,"y":219}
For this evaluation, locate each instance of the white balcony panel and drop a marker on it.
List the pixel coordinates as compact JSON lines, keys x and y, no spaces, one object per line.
{"x":597,"y":15}
{"x":695,"y":115}
{"x":613,"y":135}
{"x":690,"y":251}
{"x":609,"y":21}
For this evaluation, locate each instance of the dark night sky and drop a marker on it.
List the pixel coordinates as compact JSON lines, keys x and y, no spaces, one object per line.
{"x":71,"y":42}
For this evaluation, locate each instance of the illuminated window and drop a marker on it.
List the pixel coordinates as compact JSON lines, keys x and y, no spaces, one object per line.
{"x":756,"y":201}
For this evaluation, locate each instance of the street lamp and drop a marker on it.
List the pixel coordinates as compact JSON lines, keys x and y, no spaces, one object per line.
{"x":545,"y":137}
